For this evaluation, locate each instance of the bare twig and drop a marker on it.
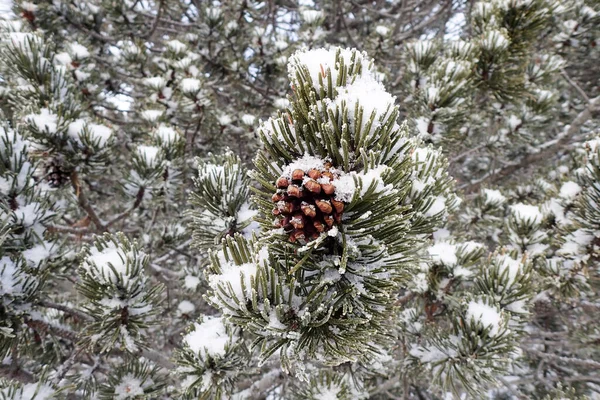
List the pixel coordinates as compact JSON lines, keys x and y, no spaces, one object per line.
{"x":547,"y":150}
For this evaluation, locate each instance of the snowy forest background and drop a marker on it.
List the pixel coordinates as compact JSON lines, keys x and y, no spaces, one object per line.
{"x":382,"y":199}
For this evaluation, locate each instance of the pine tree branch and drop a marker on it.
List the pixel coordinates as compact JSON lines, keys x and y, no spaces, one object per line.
{"x":83,"y":202}
{"x":574,"y":84}
{"x":546,"y":150}
{"x":138,"y":200}
{"x":156,"y":20}
{"x":8,"y":372}
{"x":567,"y":360}
{"x":76,"y":313}
{"x":45,"y":327}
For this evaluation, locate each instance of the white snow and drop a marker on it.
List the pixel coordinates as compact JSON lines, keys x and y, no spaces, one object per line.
{"x":37,"y":254}
{"x":45,"y":121}
{"x":306,"y":163}
{"x":156,"y":82}
{"x":109,"y":264}
{"x":129,"y":387}
{"x":151,"y":115}
{"x":209,"y":337}
{"x":32,"y":391}
{"x":494,"y":40}
{"x":9,"y":281}
{"x":311,"y":16}
{"x":317,"y":62}
{"x":149,"y":154}
{"x":186,"y":307}
{"x":437,"y":207}
{"x":191,"y":282}
{"x":569,"y":190}
{"x":368,"y":94}
{"x":248,"y":119}
{"x":382,"y":30}
{"x":176,"y":46}
{"x":166,"y":134}
{"x":78,"y":51}
{"x":510,"y":267}
{"x":488,"y":316}
{"x":190,"y":85}
{"x":281,"y":103}
{"x":234,"y":275}
{"x":444,"y":253}
{"x":493,"y":197}
{"x":100,"y":134}
{"x":527,"y":213}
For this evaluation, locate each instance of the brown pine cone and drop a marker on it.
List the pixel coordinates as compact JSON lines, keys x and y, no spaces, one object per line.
{"x":305,"y":205}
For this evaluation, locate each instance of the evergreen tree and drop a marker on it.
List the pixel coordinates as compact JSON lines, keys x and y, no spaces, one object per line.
{"x":234,"y":200}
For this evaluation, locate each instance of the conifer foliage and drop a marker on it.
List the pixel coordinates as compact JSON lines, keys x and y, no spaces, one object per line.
{"x":299,"y":200}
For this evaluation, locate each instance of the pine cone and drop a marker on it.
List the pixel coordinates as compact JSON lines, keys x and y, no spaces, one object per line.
{"x":55,"y":173}
{"x":305,"y":205}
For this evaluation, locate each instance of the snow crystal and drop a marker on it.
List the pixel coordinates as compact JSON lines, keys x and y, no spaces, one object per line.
{"x":190,"y":85}
{"x":129,"y":387}
{"x":569,"y":190}
{"x":527,"y":213}
{"x":488,"y":316}
{"x":45,"y":121}
{"x":78,"y":51}
{"x":210,"y":336}
{"x":444,"y":253}
{"x":432,"y":354}
{"x":274,"y":322}
{"x":372,"y":178}
{"x":553,"y":207}
{"x":186,"y":307}
{"x":517,"y":307}
{"x":224,"y":119}
{"x":213,"y":13}
{"x":28,"y":214}
{"x":441,"y":234}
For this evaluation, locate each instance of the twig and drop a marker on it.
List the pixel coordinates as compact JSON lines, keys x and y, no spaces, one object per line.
{"x":548,"y":149}
{"x":567,"y":360}
{"x":83,"y":202}
{"x":578,"y":88}
{"x":76,"y":313}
